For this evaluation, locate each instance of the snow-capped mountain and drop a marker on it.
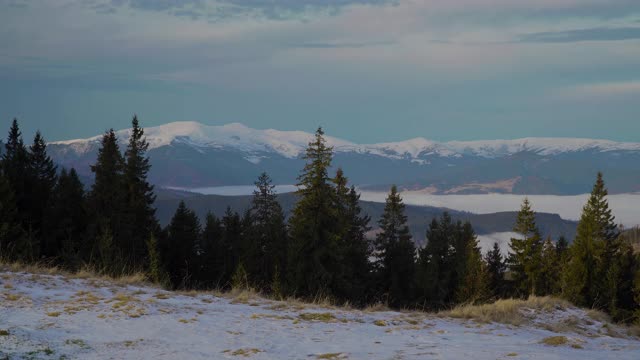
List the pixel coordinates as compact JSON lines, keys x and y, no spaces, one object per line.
{"x":192,"y":154}
{"x":291,"y":144}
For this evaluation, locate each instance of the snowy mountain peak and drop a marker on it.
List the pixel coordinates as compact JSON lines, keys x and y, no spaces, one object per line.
{"x":290,"y":144}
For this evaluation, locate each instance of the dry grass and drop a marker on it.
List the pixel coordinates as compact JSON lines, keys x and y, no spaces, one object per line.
{"x":124,"y":279}
{"x":380,"y":323}
{"x":4,"y":332}
{"x":331,"y":356}
{"x":555,"y":340}
{"x":507,"y":311}
{"x":243,"y":352}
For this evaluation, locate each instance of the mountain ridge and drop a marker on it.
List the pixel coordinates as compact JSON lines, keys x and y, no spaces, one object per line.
{"x":190,"y":154}
{"x":292,"y":143}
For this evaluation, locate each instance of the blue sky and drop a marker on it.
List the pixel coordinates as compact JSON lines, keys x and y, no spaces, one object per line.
{"x":366,"y":70}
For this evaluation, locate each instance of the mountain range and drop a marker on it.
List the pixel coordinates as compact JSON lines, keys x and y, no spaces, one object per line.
{"x":190,"y":154}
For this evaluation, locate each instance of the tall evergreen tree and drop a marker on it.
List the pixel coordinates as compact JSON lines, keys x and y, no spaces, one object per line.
{"x":139,"y":217}
{"x":66,"y":221}
{"x":496,"y":268}
{"x":473,"y":281}
{"x":43,"y":181}
{"x":231,"y":246}
{"x":266,"y":233}
{"x":437,"y":263}
{"x":525,"y":254}
{"x":354,"y":277}
{"x":17,"y":171}
{"x":313,"y":259}
{"x":550,"y":267}
{"x":12,"y":237}
{"x":395,"y":267}
{"x":592,"y":272}
{"x":211,"y":266}
{"x":107,"y":198}
{"x":180,"y":249}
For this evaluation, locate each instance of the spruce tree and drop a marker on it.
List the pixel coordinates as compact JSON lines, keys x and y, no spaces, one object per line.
{"x":437,"y":263}
{"x":211,"y":266}
{"x":230,"y":249}
{"x":525,"y":254}
{"x":266,"y":233}
{"x":107,"y":198}
{"x":354,"y":276}
{"x":139,"y":216}
{"x":395,"y":252}
{"x":180,"y":249}
{"x":43,"y":181}
{"x":591,"y":278}
{"x":473,"y":283}
{"x":313,"y":257}
{"x":496,"y":268}
{"x":66,"y":221}
{"x":17,"y":171}
{"x":550,"y":267}
{"x":12,"y":236}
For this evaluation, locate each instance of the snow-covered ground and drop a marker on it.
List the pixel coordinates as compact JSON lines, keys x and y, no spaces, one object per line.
{"x":55,"y":317}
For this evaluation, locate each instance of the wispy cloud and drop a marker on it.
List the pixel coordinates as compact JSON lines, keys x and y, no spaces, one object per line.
{"x":593,"y":34}
{"x":603,"y":90}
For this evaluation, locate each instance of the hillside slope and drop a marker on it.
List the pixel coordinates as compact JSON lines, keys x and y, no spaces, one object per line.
{"x":57,"y":317}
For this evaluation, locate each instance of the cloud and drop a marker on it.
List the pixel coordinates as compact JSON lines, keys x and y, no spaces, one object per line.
{"x":601,"y":90}
{"x":593,"y":34}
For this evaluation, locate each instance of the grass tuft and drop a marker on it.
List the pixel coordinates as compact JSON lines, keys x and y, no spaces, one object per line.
{"x":507,"y":311}
{"x":555,"y":340}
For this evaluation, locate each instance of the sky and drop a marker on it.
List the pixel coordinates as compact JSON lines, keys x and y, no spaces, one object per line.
{"x":365,"y":70}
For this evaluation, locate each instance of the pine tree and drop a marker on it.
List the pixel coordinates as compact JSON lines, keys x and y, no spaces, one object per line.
{"x":592,"y":273}
{"x":473,"y":283}
{"x":107,"y":198}
{"x":230,"y":249}
{"x":354,"y":277}
{"x":17,"y":171}
{"x":313,"y":258}
{"x":44,"y":179}
{"x":139,"y":217}
{"x":524,"y":258}
{"x":266,"y":233}
{"x":496,"y":268}
{"x":66,"y":221}
{"x":211,"y":267}
{"x":548,"y":280}
{"x":12,"y":236}
{"x":155,"y":272}
{"x":437,"y":262}
{"x":179,"y":253}
{"x":395,"y":251}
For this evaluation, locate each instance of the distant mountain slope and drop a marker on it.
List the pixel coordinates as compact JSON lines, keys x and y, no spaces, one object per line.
{"x":189,"y":154}
{"x":418,"y":216}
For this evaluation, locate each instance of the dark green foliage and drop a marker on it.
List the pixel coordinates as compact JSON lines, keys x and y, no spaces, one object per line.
{"x":496,"y":268}
{"x":18,"y":174}
{"x":592,"y":273}
{"x":266,"y":235}
{"x":550,"y":267}
{"x":231,"y":246}
{"x":179,"y":252}
{"x":211,"y":257}
{"x":156,"y":271}
{"x":524,"y":257}
{"x":139,"y":214}
{"x":43,"y":180}
{"x":106,"y":200}
{"x":451,"y":268}
{"x":66,"y":221}
{"x":395,"y":267}
{"x":313,"y":254}
{"x":12,"y":236}
{"x":473,"y":280}
{"x":354,"y":274}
